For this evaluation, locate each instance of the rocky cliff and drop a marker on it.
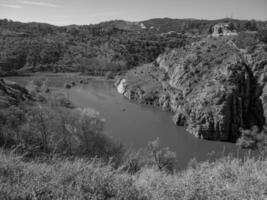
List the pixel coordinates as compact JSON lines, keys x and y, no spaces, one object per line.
{"x":212,"y":87}
{"x":12,"y":94}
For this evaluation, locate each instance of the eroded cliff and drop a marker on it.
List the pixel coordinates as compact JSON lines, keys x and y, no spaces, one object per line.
{"x":212,"y":87}
{"x":12,"y":94}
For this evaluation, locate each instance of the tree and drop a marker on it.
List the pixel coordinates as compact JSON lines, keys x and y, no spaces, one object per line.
{"x":210,"y":31}
{"x":163,"y":157}
{"x":251,"y":25}
{"x":262,"y":35}
{"x":231,"y":26}
{"x":220,"y":30}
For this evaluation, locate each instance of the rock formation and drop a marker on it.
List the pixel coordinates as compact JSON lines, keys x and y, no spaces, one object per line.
{"x":210,"y":86}
{"x":12,"y":94}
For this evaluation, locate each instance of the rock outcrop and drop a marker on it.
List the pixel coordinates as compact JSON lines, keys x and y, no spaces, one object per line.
{"x":210,"y":86}
{"x":121,"y":86}
{"x":12,"y":94}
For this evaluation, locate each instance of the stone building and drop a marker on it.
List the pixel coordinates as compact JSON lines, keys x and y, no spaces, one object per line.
{"x":223,"y":29}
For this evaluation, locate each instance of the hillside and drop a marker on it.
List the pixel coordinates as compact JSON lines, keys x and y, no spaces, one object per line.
{"x":113,"y":46}
{"x":212,"y":87}
{"x":198,"y":26}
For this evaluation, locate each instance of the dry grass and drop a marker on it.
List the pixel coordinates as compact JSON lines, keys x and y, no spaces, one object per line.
{"x":227,"y":178}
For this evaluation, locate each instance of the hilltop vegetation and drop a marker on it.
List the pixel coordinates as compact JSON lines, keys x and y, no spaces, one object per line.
{"x":93,"y":49}
{"x":201,"y":27}
{"x":114,"y":46}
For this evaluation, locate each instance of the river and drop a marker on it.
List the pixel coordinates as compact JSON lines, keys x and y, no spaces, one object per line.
{"x":135,"y":125}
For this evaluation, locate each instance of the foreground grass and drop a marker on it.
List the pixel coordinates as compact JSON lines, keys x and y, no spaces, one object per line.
{"x":227,"y":178}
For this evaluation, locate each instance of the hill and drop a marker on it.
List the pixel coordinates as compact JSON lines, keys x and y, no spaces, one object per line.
{"x":113,"y":46}
{"x":198,"y":26}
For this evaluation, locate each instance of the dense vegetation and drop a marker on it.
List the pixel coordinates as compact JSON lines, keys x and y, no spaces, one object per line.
{"x":226,"y":178}
{"x":114,"y":46}
{"x":92,"y":49}
{"x":195,"y":26}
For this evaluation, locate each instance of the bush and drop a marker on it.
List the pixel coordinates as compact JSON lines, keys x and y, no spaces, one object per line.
{"x":262,"y":35}
{"x":246,"y":40}
{"x":254,"y":139}
{"x":226,"y":178}
{"x":41,"y":128}
{"x":163,"y":158}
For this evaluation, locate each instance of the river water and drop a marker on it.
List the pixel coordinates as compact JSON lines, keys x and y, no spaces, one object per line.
{"x":135,"y":125}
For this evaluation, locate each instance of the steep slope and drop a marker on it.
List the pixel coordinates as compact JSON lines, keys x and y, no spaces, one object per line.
{"x":12,"y":94}
{"x":210,"y":86}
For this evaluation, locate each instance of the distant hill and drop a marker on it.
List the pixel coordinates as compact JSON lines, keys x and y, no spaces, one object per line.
{"x":198,"y":26}
{"x":114,"y":46}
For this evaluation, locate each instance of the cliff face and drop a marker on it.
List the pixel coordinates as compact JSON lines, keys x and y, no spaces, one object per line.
{"x":210,"y":87}
{"x":12,"y":94}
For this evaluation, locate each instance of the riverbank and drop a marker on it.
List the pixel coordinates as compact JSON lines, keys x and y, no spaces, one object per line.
{"x":57,"y":79}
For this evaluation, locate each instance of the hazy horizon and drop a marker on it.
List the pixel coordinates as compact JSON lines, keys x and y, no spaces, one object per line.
{"x":83,"y":12}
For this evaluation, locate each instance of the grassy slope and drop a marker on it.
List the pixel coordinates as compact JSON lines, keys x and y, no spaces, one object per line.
{"x":227,"y":178}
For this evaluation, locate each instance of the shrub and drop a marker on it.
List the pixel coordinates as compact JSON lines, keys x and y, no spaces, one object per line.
{"x":56,"y":99}
{"x":254,"y":139}
{"x":41,"y":128}
{"x":262,"y":35}
{"x":163,"y":158}
{"x":226,"y":178}
{"x":245,"y":40}
{"x":11,"y":120}
{"x":109,"y":75}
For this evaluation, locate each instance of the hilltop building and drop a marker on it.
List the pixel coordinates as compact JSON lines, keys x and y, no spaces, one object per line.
{"x":223,"y":29}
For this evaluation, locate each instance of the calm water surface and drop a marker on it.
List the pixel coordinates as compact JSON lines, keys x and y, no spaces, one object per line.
{"x":134,"y":125}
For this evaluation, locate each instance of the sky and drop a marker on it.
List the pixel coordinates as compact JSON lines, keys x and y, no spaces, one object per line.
{"x":65,"y":12}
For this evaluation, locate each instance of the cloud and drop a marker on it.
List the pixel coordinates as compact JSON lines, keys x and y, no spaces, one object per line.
{"x":11,"y":6}
{"x":38,"y":3}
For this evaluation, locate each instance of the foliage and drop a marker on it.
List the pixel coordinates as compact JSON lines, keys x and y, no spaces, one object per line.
{"x":51,"y":127}
{"x":255,"y":139}
{"x":113,"y":46}
{"x":262,"y":35}
{"x":162,"y":157}
{"x":200,"y":27}
{"x":94,"y":50}
{"x":246,"y":40}
{"x":226,"y":178}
